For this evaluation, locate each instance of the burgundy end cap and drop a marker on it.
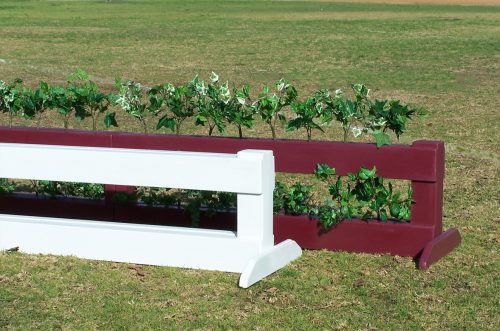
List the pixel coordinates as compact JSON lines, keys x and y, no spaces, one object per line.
{"x":439,"y":247}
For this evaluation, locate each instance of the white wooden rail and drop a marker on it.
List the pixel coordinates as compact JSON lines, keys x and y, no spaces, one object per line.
{"x":249,"y":173}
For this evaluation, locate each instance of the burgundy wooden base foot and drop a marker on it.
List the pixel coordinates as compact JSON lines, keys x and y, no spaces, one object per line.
{"x":439,"y":247}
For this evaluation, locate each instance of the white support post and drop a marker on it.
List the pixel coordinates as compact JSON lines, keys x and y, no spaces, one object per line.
{"x":255,"y":211}
{"x":250,"y":174}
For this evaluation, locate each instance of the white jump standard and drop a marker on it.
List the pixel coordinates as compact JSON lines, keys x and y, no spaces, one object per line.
{"x":249,"y":173}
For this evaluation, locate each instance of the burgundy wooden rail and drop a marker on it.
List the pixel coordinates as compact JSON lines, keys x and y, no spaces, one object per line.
{"x":422,"y":163}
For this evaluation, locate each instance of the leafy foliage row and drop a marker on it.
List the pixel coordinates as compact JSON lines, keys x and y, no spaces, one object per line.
{"x":211,"y":104}
{"x":216,"y":106}
{"x":363,"y":195}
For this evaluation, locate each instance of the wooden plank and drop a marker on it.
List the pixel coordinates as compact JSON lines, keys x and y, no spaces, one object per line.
{"x":373,"y":237}
{"x":239,"y":173}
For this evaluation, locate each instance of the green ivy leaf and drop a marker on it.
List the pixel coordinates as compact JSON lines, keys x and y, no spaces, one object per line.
{"x":78,"y":74}
{"x":381,"y":138}
{"x":167,"y":122}
{"x":110,"y":119}
{"x":395,"y":209}
{"x":323,"y":171}
{"x":383,"y":215}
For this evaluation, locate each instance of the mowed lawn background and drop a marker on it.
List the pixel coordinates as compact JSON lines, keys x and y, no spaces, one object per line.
{"x":440,"y":56}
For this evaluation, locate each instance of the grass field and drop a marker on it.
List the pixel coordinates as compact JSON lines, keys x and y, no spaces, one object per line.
{"x":440,"y":56}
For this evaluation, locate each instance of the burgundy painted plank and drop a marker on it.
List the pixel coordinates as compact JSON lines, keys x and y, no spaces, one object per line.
{"x":26,"y":135}
{"x":439,"y":247}
{"x":28,"y":204}
{"x":401,"y":239}
{"x":298,"y":156}
{"x":128,"y":213}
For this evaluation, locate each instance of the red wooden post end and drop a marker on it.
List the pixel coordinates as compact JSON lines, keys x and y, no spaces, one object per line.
{"x":428,"y":195}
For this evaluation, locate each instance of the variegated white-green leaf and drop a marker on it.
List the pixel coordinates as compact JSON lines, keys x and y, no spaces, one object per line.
{"x":241,"y":101}
{"x":356,"y":131}
{"x":214,"y":77}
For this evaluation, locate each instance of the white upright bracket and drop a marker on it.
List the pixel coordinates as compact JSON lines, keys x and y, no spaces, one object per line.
{"x":250,"y":173}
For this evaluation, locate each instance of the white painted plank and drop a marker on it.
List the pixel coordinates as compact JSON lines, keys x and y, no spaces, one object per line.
{"x":132,"y":243}
{"x":188,"y":170}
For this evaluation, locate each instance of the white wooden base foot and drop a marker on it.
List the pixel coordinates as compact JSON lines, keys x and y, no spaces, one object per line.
{"x":270,"y":261}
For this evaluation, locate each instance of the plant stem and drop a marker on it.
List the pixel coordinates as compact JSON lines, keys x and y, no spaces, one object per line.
{"x":273,"y":132}
{"x":240,"y":132}
{"x":39,"y":120}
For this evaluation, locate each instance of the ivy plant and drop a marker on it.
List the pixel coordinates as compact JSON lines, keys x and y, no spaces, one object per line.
{"x":54,"y":189}
{"x":49,"y":189}
{"x":88,"y":100}
{"x":279,"y":193}
{"x":377,"y":199}
{"x":341,"y":203}
{"x":214,"y":105}
{"x":270,"y":106}
{"x":130,"y":98}
{"x":36,"y":102}
{"x":173,"y":104}
{"x":62,"y":101}
{"x":362,"y":194}
{"x":240,"y":112}
{"x":6,"y":186}
{"x":155,"y":197}
{"x":347,"y":112}
{"x":314,"y":108}
{"x":294,"y":200}
{"x":86,"y":190}
{"x":388,"y":115}
{"x":362,"y":115}
{"x":11,"y":98}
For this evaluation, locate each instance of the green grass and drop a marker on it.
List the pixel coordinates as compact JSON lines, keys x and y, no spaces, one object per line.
{"x":444,"y":58}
